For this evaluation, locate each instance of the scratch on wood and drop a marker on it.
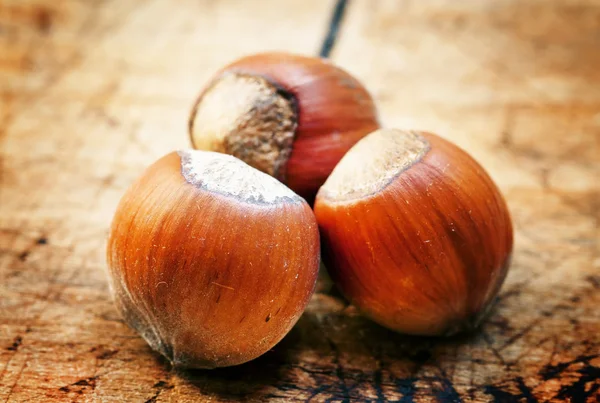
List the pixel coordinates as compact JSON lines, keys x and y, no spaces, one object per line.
{"x":18,"y":378}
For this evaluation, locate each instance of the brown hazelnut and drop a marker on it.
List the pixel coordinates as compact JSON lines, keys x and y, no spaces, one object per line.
{"x":211,"y":261}
{"x":414,"y":232}
{"x":290,"y":116}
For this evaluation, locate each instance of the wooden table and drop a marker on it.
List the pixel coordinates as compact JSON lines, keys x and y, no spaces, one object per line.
{"x":93,"y":91}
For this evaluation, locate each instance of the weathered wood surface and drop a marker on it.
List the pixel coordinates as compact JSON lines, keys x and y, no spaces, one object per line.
{"x":92,"y":91}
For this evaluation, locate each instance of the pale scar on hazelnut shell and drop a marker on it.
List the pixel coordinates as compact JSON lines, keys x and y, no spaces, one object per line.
{"x":228,"y":176}
{"x":247,"y":117}
{"x":373,"y":163}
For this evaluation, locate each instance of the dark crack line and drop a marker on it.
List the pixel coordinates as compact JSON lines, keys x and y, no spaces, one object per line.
{"x":333,"y":29}
{"x":535,"y":322}
{"x":448,"y":392}
{"x":316,"y":392}
{"x":312,"y":372}
{"x":339,"y":371}
{"x":494,"y":350}
{"x":378,"y":376}
{"x":17,"y":379}
{"x":526,"y":392}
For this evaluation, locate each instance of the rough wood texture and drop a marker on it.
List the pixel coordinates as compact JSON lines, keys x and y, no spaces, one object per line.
{"x":93,"y":91}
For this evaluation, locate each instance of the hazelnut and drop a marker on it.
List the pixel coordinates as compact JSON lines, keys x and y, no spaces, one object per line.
{"x":414,"y":232}
{"x":210,"y":260}
{"x":292,"y":117}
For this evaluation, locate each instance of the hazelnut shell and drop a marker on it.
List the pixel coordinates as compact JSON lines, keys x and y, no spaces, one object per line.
{"x":210,"y":260}
{"x":414,"y":232}
{"x":331,"y":111}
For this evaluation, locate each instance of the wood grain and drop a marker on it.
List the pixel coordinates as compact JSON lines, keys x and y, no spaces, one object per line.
{"x":91,"y":92}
